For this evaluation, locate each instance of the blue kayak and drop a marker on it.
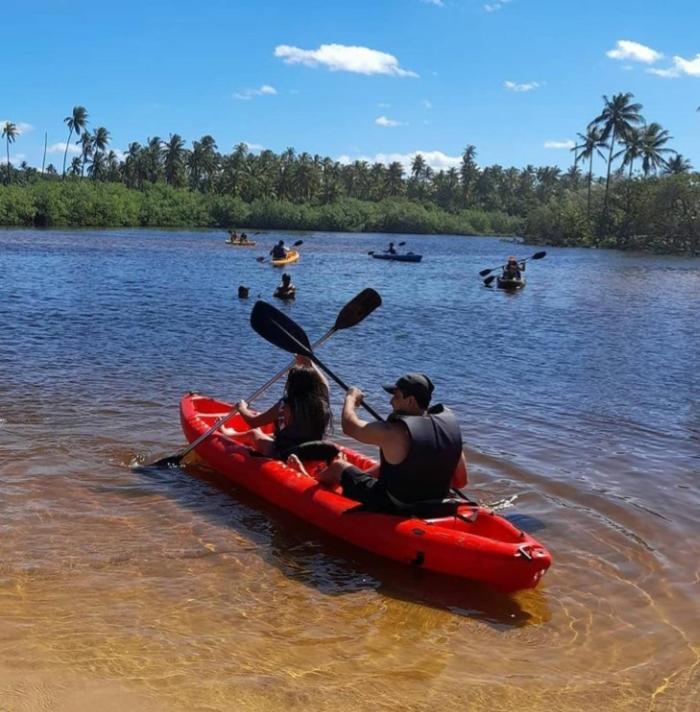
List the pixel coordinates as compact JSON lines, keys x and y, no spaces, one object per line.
{"x":409,"y":257}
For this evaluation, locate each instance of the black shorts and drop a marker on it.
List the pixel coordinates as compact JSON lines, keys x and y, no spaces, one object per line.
{"x":361,"y":487}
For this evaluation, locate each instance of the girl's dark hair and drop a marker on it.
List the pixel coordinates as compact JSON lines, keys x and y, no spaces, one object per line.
{"x":306,"y":394}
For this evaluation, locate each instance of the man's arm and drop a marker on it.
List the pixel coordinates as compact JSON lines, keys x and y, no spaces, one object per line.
{"x":392,"y":438}
{"x":459,"y":478}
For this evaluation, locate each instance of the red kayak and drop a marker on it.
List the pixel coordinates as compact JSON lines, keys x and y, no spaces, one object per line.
{"x":473,"y":543}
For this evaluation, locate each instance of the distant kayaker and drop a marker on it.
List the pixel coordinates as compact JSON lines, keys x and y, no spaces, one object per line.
{"x":243,"y":239}
{"x":302,"y":415}
{"x":391,"y":249}
{"x":420,"y":449}
{"x":286,"y":290}
{"x":513,"y":269}
{"x":279,"y":251}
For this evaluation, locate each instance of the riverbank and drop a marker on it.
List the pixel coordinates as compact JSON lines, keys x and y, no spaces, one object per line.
{"x":82,"y":203}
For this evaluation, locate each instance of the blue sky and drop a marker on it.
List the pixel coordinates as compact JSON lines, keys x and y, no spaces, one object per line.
{"x":361,"y":79}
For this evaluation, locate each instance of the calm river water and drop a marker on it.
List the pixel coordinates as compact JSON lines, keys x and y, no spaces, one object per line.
{"x":579,"y":399}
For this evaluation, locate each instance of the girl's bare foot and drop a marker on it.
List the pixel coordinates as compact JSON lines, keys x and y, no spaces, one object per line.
{"x":294,"y":463}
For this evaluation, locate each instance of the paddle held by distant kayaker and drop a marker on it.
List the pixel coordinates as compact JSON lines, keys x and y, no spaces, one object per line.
{"x":420,"y":449}
{"x":302,"y":415}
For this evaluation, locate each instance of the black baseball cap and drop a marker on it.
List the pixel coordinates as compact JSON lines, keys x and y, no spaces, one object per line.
{"x":417,"y":385}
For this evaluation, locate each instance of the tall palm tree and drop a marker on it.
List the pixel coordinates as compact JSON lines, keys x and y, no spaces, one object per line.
{"x":654,"y":137}
{"x":77,"y":122}
{"x":591,"y":143}
{"x":618,"y":117}
{"x":9,"y":133}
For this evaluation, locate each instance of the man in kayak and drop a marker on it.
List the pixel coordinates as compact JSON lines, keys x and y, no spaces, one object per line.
{"x":286,"y":290}
{"x":391,"y":249}
{"x":513,"y":269}
{"x":279,"y":251}
{"x":420,"y":449}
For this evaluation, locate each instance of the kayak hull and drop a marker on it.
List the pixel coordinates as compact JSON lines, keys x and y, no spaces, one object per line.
{"x":241,"y":244}
{"x":510,"y":284}
{"x":397,"y":258}
{"x":291,"y":258}
{"x":488,"y":549}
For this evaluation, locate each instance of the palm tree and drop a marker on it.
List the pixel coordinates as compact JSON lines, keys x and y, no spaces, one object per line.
{"x":100,"y":139}
{"x":633,"y":144}
{"x":174,"y":149}
{"x":653,"y":139}
{"x":617,"y":119}
{"x":591,"y":143}
{"x":85,"y":150}
{"x":394,"y":179}
{"x":677,"y":165}
{"x":9,"y":132}
{"x":77,"y":122}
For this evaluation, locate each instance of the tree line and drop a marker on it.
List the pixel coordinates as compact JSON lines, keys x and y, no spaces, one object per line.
{"x":545,"y":203}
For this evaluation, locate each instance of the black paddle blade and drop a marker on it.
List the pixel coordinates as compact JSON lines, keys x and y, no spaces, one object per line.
{"x":297,"y":243}
{"x":490,"y":279}
{"x":401,"y":244}
{"x":371,"y":252}
{"x":538,"y":255}
{"x":484,"y":272}
{"x":279,"y":329}
{"x":358,"y":309}
{"x":260,"y":259}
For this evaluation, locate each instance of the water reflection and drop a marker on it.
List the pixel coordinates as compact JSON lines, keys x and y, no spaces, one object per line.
{"x":334,"y":568}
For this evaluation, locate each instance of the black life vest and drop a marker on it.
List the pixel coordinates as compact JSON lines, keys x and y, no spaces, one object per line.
{"x":426,"y":471}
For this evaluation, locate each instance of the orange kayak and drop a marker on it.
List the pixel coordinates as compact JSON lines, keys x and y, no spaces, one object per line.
{"x":472,"y":543}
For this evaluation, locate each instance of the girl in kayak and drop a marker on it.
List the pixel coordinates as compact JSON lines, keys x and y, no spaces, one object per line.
{"x":302,"y":415}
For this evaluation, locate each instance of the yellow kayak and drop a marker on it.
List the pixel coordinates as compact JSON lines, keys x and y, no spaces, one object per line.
{"x":292,"y":256}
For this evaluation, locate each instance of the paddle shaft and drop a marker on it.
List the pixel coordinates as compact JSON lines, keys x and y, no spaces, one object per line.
{"x":224,"y":418}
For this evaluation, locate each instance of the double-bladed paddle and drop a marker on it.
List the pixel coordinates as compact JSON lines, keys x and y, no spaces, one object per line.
{"x":296,"y":244}
{"x":400,"y":244}
{"x":355,"y":311}
{"x":536,"y":256}
{"x":285,"y":333}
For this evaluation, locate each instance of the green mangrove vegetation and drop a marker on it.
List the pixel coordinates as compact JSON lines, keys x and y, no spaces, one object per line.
{"x":646,"y":198}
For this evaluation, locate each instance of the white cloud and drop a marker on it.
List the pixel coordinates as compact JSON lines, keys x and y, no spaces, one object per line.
{"x":248,"y":94}
{"x":439,"y":3}
{"x":344,"y":58}
{"x":254,"y":146}
{"x":15,"y":159}
{"x":427,"y":104}
{"x":691,"y":67}
{"x":526,"y":86}
{"x":383,"y":121}
{"x":681,"y":66}
{"x":634,"y":52}
{"x":437,"y":160}
{"x":568,"y":144}
{"x":61,"y":147}
{"x":495,"y":6}
{"x":21,"y":126}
